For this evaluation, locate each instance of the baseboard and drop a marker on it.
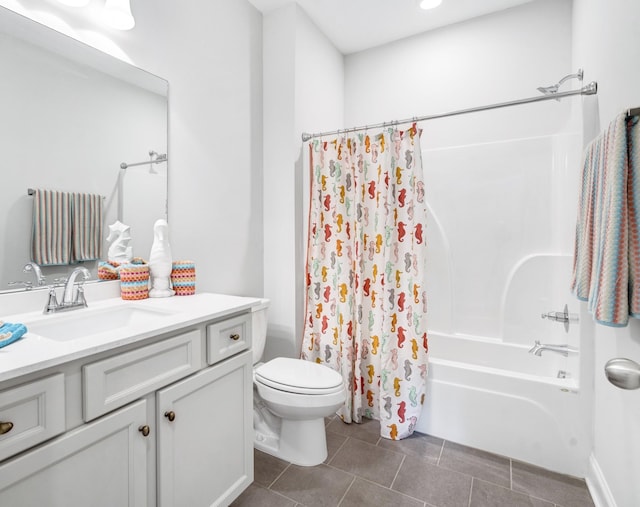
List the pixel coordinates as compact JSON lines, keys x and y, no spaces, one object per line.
{"x":597,"y":484}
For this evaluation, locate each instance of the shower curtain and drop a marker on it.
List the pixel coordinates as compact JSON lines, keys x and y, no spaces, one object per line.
{"x":365,"y":300}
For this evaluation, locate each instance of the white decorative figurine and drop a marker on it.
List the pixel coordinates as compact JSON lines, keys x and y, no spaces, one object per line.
{"x":119,"y":252}
{"x":160,"y":261}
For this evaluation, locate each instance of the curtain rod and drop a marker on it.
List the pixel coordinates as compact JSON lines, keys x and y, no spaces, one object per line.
{"x":590,"y":89}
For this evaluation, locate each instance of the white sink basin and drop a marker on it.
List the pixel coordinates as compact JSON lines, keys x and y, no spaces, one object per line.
{"x":86,"y":322}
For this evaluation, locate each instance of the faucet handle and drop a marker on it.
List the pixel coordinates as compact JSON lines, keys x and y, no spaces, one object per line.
{"x":556,"y":316}
{"x":52,"y":301}
{"x":28,"y":285}
{"x":80,"y":299}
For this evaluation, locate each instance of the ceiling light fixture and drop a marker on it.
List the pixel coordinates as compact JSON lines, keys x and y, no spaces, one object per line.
{"x":429,"y":4}
{"x":117,"y":14}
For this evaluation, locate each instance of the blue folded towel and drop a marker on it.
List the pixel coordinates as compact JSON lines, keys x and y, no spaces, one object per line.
{"x":10,"y":333}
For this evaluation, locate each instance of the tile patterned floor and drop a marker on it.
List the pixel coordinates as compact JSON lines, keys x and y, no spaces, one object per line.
{"x":363,"y":469}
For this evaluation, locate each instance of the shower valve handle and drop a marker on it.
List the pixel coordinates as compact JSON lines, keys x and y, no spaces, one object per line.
{"x":564,"y":316}
{"x":556,"y":316}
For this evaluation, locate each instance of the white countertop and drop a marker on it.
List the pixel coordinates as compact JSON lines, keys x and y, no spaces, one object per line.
{"x":34,"y":353}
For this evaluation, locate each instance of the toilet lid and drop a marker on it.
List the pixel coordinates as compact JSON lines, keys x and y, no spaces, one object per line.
{"x":298,"y":376}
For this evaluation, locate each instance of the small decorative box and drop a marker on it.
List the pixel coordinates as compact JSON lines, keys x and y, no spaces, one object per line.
{"x":183,"y":278}
{"x":134,"y":281}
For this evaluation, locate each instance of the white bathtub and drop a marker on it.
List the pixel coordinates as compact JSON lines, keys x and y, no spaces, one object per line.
{"x":497,"y":397}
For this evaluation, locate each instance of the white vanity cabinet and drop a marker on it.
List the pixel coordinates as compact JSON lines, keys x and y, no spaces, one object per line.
{"x":166,"y":423}
{"x":102,"y":464}
{"x":204,"y":423}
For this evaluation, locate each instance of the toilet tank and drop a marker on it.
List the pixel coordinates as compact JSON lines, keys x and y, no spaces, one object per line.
{"x":259,"y":328}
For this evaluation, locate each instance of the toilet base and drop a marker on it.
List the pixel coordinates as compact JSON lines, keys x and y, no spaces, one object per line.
{"x":302,"y":443}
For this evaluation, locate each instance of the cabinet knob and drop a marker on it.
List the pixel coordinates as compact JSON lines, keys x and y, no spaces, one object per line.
{"x":235,"y":336}
{"x":145,"y":430}
{"x":5,"y":427}
{"x":171,"y":415}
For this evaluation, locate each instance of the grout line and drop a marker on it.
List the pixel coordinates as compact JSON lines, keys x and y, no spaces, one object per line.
{"x":473,"y":480}
{"x":440,"y":455}
{"x":387,"y":488}
{"x":333,"y":467}
{"x":511,"y":474}
{"x":347,"y":491}
{"x":287,"y":498}
{"x":279,"y":475}
{"x":404,"y":456}
{"x":337,"y":450}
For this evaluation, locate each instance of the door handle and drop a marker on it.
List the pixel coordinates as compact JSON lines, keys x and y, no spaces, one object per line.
{"x":623,"y":373}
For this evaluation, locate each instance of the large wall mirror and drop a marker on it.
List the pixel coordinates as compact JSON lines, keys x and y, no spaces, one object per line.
{"x":70,"y":116}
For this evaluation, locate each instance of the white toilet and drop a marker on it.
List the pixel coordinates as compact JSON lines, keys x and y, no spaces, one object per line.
{"x":291,"y":398}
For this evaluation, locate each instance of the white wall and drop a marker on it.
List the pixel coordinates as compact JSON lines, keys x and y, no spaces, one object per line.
{"x":607,"y":45}
{"x":494,"y":58}
{"x":279,"y":37}
{"x":303,"y":91}
{"x":210,"y":52}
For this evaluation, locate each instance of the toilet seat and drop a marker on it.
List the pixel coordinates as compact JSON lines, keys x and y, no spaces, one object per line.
{"x":298,"y":376}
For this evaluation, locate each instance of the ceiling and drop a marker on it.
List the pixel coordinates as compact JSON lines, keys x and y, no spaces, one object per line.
{"x":355,"y":25}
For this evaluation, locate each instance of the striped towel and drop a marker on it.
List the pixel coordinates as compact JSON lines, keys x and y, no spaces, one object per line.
{"x":51,"y":234}
{"x":86,"y":231}
{"x":67,"y":228}
{"x":606,"y":270}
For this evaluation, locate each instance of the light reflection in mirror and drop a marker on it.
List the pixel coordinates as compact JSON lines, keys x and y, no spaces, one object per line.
{"x":71,"y":116}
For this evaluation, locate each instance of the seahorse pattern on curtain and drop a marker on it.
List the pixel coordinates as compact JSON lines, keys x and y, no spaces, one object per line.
{"x":366,"y":305}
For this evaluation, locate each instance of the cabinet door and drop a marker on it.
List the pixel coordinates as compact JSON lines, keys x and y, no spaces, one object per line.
{"x":205,"y":454}
{"x":102,"y":464}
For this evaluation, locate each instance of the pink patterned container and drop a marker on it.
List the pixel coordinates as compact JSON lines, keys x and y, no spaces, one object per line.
{"x":107,"y":270}
{"x":183,"y":278}
{"x":134,"y":281}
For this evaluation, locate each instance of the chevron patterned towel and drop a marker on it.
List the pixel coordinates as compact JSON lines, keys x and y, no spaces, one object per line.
{"x":606,"y":270}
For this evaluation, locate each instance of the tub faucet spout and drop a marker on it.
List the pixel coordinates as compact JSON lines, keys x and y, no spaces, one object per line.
{"x":538,"y":348}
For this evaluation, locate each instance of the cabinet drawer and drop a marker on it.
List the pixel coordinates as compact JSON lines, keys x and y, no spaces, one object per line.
{"x":118,"y":380}
{"x":228,"y":337}
{"x":31,"y":413}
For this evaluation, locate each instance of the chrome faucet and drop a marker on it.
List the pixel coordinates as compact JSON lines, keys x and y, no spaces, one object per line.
{"x":32,"y":267}
{"x":72,"y":297}
{"x":538,"y":348}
